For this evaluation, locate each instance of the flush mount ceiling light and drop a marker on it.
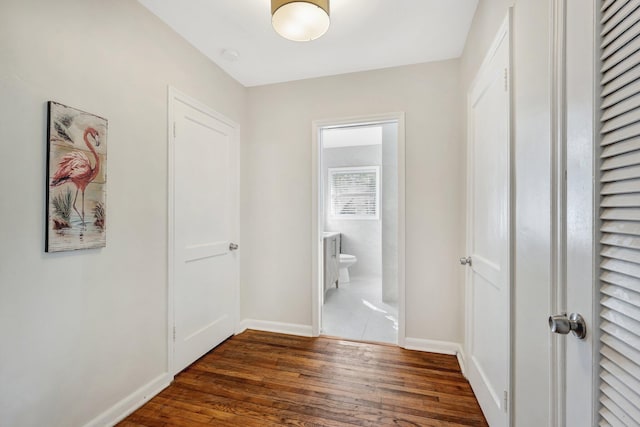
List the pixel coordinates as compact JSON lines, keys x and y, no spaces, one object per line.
{"x":300,"y":21}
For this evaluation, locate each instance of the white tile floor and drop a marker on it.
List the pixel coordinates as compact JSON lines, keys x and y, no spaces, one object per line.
{"x":355,"y":311}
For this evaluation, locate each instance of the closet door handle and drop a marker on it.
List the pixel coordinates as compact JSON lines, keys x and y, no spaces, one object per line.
{"x":561,"y":324}
{"x":465,"y":260}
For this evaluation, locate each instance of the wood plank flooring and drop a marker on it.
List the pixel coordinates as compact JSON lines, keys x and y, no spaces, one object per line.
{"x":265,"y":379}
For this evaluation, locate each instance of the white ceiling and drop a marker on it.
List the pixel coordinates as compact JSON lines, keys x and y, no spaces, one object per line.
{"x":364,"y":35}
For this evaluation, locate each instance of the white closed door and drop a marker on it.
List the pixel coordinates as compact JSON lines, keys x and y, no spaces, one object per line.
{"x":205,"y":215}
{"x":488,"y":283}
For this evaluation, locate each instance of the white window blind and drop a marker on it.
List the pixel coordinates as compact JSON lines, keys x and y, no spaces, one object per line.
{"x":354,"y":192}
{"x":620,"y":214}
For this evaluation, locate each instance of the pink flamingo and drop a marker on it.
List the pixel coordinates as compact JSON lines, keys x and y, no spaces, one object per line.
{"x":76,"y":167}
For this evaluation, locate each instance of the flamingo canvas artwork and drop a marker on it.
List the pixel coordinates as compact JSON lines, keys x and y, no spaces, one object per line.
{"x":77,"y":179}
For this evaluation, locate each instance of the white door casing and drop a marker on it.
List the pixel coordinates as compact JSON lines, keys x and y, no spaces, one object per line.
{"x":203,"y":222}
{"x":488,"y":278}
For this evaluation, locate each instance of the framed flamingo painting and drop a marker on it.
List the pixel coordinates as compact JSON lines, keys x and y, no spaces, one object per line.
{"x":77,"y":179}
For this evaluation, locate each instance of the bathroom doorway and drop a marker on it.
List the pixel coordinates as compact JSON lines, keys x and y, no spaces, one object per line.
{"x":359,"y":229}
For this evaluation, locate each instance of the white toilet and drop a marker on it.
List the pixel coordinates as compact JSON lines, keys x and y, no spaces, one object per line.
{"x":346,"y":261}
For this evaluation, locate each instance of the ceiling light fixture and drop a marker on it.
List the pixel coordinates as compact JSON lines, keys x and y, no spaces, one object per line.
{"x":300,"y":21}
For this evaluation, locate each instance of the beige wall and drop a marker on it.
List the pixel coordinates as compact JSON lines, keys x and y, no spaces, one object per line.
{"x":276,"y":190}
{"x":83,"y":330}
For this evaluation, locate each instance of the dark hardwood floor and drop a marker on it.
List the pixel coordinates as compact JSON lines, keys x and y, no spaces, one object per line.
{"x":266,"y":379}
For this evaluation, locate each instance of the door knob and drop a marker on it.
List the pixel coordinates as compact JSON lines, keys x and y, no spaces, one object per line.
{"x":561,"y":324}
{"x":465,"y":261}
{"x":233,"y":247}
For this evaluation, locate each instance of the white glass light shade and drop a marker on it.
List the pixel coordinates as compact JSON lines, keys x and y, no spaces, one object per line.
{"x":300,"y":20}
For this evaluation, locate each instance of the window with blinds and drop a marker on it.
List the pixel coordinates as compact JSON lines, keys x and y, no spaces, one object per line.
{"x":354,"y":192}
{"x":620,"y":214}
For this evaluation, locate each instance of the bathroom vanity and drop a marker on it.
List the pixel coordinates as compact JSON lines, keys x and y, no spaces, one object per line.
{"x":331,"y":247}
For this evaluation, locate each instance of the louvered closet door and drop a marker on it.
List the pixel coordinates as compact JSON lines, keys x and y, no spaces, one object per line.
{"x":620,"y":214}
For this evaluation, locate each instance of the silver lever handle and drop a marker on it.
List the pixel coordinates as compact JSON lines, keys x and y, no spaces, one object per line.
{"x":233,"y":247}
{"x":561,"y":324}
{"x":465,"y":261}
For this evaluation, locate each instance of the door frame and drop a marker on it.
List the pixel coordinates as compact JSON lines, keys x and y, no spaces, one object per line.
{"x":505,"y":33}
{"x":173,"y":96}
{"x":317,"y":213}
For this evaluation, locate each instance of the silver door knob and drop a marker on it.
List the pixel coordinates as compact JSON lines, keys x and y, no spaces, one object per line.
{"x":233,"y":247}
{"x":465,"y":261}
{"x":561,"y":324}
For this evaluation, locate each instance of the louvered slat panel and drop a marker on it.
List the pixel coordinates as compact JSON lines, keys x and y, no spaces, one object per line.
{"x":621,"y":347}
{"x":615,"y":389}
{"x":622,"y":328}
{"x":622,"y":307}
{"x":609,"y":419}
{"x":621,"y":227}
{"x":628,"y":381}
{"x":624,"y":93}
{"x":623,"y":214}
{"x":626,"y":365}
{"x":619,"y":48}
{"x":621,"y":108}
{"x":627,"y":146}
{"x":626,"y":282}
{"x":620,"y":214}
{"x":621,"y":241}
{"x":606,"y":4}
{"x":633,"y":407}
{"x":617,"y":32}
{"x":621,"y":187}
{"x":624,"y":254}
{"x":621,"y":201}
{"x":621,"y":267}
{"x":621,"y":161}
{"x":611,"y":7}
{"x":618,"y":19}
{"x":621,"y":333}
{"x":628,"y":296}
{"x":623,"y":133}
{"x":610,"y":355}
{"x":620,"y":81}
{"x":626,"y":119}
{"x":618,"y":65}
{"x":620,"y":174}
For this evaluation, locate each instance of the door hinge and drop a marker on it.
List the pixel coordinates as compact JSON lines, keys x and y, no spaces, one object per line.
{"x":505,"y":404}
{"x":174,"y":333}
{"x":506,"y":80}
{"x":174,"y":129}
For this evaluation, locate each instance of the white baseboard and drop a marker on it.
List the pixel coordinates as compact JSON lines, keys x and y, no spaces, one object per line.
{"x":440,"y":347}
{"x":132,"y":402}
{"x":432,"y":346}
{"x":278,"y":327}
{"x":461,"y":362}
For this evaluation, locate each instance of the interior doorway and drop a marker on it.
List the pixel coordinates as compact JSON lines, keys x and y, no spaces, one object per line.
{"x":359,"y":229}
